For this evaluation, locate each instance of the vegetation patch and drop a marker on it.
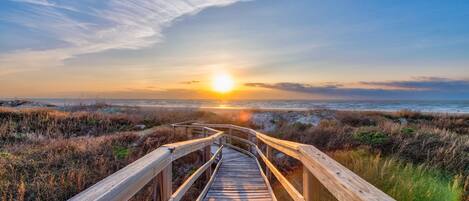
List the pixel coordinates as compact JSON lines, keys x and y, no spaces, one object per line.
{"x":120,"y":152}
{"x":408,"y":131}
{"x":403,"y":181}
{"x":373,"y":138}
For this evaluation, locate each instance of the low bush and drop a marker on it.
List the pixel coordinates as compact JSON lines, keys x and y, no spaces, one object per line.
{"x":372,"y":138}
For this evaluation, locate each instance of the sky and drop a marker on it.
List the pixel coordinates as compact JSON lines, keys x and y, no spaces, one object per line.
{"x":273,"y":49}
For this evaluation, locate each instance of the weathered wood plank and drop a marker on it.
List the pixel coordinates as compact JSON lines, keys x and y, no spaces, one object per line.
{"x":239,"y":179}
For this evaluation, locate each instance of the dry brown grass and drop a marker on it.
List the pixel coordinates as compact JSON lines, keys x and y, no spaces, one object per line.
{"x":52,"y":155}
{"x":58,"y":169}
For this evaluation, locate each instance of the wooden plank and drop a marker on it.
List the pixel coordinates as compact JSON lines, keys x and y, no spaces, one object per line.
{"x":239,"y":179}
{"x":342,"y":183}
{"x":256,"y":161}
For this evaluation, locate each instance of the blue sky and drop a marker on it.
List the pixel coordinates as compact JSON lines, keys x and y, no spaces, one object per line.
{"x":279,"y":49}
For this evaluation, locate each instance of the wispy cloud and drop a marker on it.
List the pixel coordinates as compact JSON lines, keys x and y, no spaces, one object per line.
{"x":418,"y":88}
{"x":191,"y":82}
{"x":426,"y":84}
{"x":46,"y":3}
{"x":84,"y":29}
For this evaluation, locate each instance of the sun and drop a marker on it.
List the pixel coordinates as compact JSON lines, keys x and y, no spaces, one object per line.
{"x":222,"y":83}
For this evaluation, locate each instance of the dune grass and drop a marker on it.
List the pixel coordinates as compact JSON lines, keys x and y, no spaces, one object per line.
{"x":47,"y":154}
{"x":402,"y":181}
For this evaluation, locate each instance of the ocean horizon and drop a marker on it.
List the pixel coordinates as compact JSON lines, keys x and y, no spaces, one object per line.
{"x":432,"y":106}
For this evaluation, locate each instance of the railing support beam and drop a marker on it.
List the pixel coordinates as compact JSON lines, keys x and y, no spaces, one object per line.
{"x":207,"y":156}
{"x":165,"y":187}
{"x":230,"y":132}
{"x":268,"y":154}
{"x":311,"y":186}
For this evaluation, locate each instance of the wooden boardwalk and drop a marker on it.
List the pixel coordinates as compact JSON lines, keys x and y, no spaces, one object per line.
{"x":238,"y":178}
{"x":237,"y":175}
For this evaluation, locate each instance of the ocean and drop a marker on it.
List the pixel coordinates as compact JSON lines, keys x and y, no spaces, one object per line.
{"x":368,"y":105}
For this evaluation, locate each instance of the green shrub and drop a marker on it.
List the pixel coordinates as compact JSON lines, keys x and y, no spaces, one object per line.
{"x":373,"y":138}
{"x":408,"y":131}
{"x":120,"y":152}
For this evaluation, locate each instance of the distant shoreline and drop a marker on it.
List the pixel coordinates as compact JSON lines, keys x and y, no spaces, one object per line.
{"x":436,"y":107}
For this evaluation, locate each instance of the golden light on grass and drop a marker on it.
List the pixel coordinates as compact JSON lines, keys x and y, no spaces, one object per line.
{"x":222,"y":83}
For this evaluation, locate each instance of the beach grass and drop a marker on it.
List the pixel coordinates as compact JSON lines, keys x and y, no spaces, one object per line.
{"x":403,"y":181}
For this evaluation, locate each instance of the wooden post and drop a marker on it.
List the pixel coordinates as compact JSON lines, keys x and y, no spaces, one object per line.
{"x":165,"y":187}
{"x":207,"y":156}
{"x":190,"y":133}
{"x":311,"y":186}
{"x":268,"y":154}
{"x":252,"y":148}
{"x":174,"y":132}
{"x":231,"y":134}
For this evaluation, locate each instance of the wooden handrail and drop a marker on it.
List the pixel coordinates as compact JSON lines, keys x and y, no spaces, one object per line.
{"x":180,"y":149}
{"x":210,"y":181}
{"x":288,"y":147}
{"x":319,"y":169}
{"x":342,"y":183}
{"x":188,"y":183}
{"x":125,"y":183}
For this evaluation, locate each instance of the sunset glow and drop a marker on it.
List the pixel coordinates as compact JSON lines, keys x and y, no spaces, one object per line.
{"x":222,"y":83}
{"x":204,"y":49}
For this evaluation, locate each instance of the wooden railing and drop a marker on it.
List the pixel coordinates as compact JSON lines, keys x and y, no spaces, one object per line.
{"x":323,"y":178}
{"x":157,"y":165}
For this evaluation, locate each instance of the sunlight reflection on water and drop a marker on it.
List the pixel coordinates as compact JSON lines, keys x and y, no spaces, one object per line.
{"x":424,"y":106}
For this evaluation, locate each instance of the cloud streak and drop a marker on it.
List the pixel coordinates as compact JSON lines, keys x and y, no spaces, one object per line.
{"x":426,"y":84}
{"x":418,"y":88}
{"x":86,"y":29}
{"x":45,"y":3}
